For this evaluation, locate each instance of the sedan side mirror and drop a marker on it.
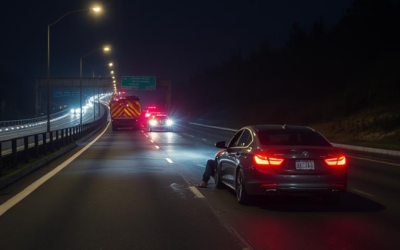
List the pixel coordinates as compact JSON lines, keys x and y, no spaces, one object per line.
{"x":221,"y":144}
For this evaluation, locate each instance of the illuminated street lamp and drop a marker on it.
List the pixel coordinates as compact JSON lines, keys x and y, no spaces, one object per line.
{"x":95,"y":9}
{"x":110,"y":64}
{"x":105,"y":49}
{"x":112,"y":72}
{"x":113,"y":77}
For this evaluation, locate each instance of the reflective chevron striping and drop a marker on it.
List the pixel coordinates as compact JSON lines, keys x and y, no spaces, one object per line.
{"x":126,"y":109}
{"x":135,"y":109}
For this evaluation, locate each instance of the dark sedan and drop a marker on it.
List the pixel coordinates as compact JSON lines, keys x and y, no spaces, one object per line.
{"x":276,"y":159}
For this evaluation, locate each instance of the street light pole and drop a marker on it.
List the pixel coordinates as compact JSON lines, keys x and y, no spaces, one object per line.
{"x":98,"y":94}
{"x":96,"y":9}
{"x":80,"y":90}
{"x":80,"y":77}
{"x":48,"y":78}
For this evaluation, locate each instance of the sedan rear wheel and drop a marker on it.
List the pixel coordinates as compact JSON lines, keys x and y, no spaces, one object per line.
{"x":241,"y":193}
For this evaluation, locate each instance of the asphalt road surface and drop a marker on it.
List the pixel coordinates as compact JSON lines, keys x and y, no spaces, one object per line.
{"x":134,"y":190}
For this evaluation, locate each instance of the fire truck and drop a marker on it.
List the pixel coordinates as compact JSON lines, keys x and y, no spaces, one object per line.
{"x":125,"y":112}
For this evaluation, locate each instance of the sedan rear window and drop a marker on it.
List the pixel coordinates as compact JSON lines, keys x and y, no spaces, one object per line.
{"x":292,"y":138}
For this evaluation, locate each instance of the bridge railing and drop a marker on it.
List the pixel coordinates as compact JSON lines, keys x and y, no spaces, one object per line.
{"x":21,"y":122}
{"x":39,"y":145}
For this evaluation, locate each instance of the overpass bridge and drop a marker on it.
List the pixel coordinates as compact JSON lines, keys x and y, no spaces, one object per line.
{"x":65,"y":91}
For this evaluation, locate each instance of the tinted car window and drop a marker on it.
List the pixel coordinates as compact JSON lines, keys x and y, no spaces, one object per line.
{"x":293,"y":138}
{"x":235,"y":139}
{"x":245,"y":139}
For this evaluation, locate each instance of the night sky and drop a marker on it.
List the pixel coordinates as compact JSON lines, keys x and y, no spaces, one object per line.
{"x":172,"y":38}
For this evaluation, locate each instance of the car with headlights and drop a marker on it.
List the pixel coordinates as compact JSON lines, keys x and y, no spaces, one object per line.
{"x":76,"y":111}
{"x":148,"y":113}
{"x":281,"y":160}
{"x":160,"y":123}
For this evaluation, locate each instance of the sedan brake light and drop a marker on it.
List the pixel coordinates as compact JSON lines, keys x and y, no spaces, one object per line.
{"x":266,"y":160}
{"x":337,"y":161}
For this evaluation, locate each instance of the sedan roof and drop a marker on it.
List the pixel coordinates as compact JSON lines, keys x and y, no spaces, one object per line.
{"x":280,"y":127}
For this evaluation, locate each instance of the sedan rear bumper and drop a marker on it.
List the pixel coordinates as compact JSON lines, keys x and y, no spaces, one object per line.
{"x":303,"y":191}
{"x":272,"y":184}
{"x":160,"y":127}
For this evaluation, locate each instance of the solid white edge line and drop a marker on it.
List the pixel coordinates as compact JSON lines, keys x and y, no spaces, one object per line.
{"x":204,"y":139}
{"x":27,"y":191}
{"x":366,"y":159}
{"x":169,"y":160}
{"x":361,"y":192}
{"x":196,"y":192}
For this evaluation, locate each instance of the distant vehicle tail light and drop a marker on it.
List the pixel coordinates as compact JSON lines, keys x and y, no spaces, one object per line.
{"x":337,"y":161}
{"x":266,"y":160}
{"x":153,"y":122}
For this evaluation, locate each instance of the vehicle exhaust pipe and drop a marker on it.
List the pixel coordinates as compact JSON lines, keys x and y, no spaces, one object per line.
{"x":270,"y":191}
{"x":337,"y":191}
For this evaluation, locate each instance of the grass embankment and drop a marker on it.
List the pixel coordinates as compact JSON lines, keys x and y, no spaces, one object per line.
{"x":376,"y":129}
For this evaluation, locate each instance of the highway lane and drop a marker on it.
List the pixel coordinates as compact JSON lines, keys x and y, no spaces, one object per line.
{"x":63,"y":122}
{"x":121,"y":193}
{"x":124,"y":193}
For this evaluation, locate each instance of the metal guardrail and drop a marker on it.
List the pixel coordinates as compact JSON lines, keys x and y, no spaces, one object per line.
{"x":4,"y":124}
{"x":43,"y":144}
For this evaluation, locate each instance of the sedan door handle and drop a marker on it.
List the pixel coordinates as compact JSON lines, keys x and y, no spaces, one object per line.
{"x":237,"y":154}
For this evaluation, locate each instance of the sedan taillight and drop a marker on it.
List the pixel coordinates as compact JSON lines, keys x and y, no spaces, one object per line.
{"x":266,"y":160}
{"x":337,"y":161}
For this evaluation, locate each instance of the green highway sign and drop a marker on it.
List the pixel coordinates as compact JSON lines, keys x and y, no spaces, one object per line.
{"x":138,"y":83}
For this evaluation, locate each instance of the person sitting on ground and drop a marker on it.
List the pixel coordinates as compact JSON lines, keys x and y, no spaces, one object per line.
{"x":208,"y":172}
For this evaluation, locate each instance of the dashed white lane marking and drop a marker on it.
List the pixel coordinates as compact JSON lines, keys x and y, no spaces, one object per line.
{"x":204,"y":139}
{"x":152,"y":141}
{"x":362,"y":193}
{"x":384,"y":162}
{"x":196,"y":192}
{"x":27,"y":191}
{"x":147,"y":136}
{"x":157,"y":147}
{"x":190,"y":135}
{"x":169,"y":160}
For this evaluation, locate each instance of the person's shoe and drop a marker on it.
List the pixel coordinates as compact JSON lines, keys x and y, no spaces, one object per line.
{"x":202,"y":184}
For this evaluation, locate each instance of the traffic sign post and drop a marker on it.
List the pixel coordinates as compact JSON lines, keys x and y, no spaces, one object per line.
{"x":138,"y":83}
